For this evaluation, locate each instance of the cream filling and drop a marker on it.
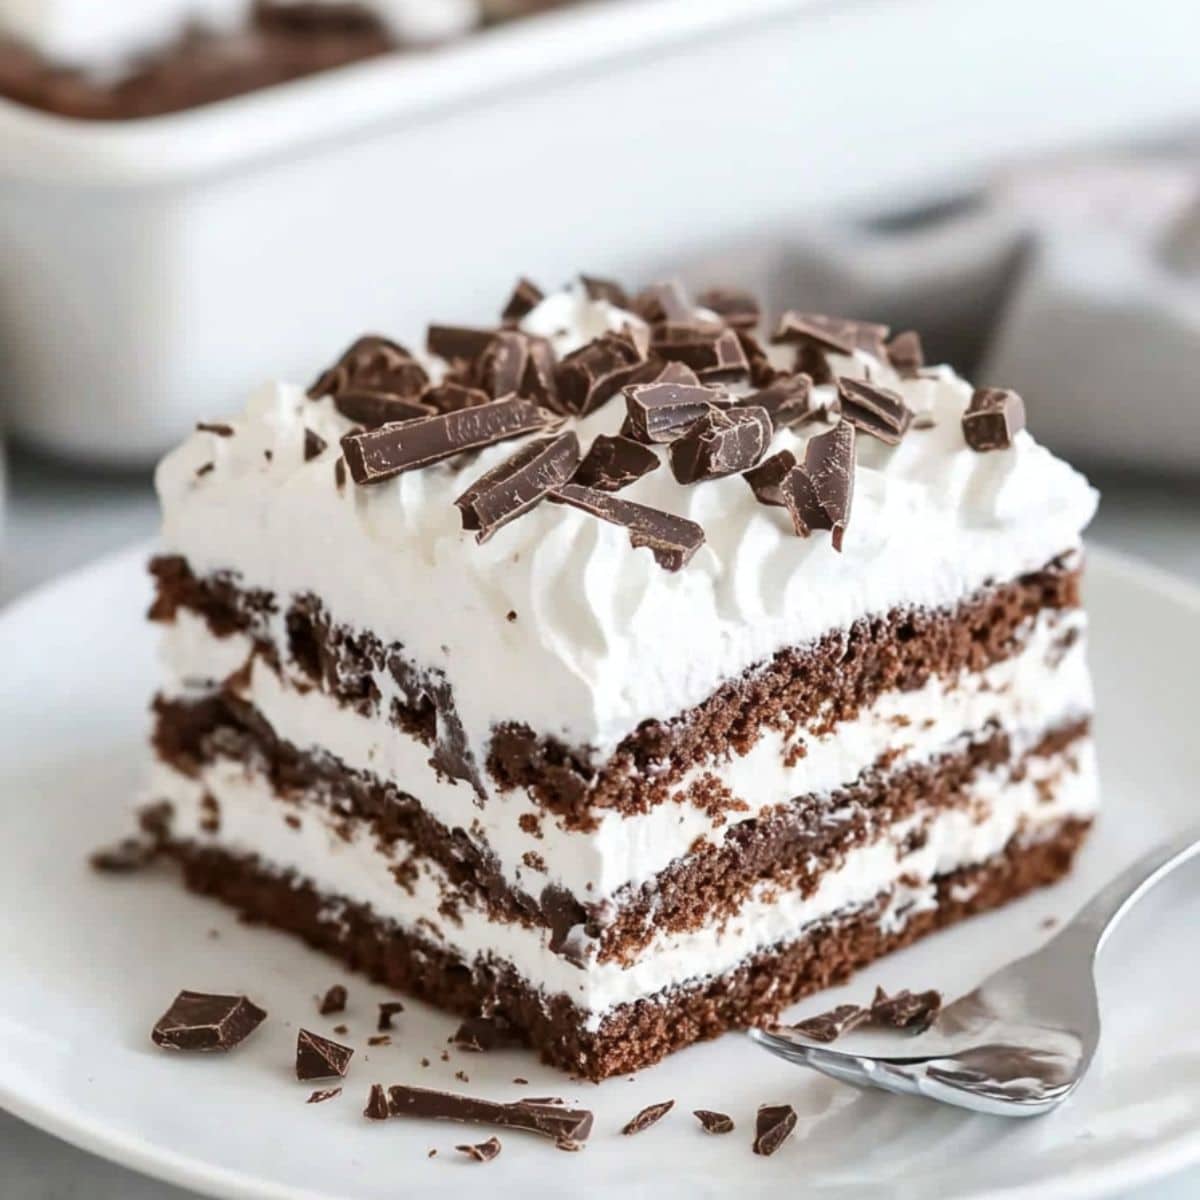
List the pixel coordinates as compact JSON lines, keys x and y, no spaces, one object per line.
{"x":1026,"y":695}
{"x":252,"y":821}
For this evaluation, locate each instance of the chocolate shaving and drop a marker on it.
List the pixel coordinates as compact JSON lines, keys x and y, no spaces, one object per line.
{"x":722,"y":442}
{"x":842,"y":335}
{"x":319,"y":1058}
{"x":660,"y":412}
{"x":762,"y":372}
{"x":613,"y":463}
{"x":378,"y":454}
{"x":517,"y":484}
{"x":716,"y":357}
{"x":766,"y":478}
{"x":829,"y":1026}
{"x":374,"y":408}
{"x":126,"y":856}
{"x":314,"y":445}
{"x":322,"y":1096}
{"x":663,"y":302}
{"x":549,"y":1121}
{"x":906,"y":1010}
{"x":217,"y":427}
{"x":372,"y":363}
{"x":772,"y":1127}
{"x":672,"y":540}
{"x":483,"y":1152}
{"x":458,"y":343}
{"x":906,"y":354}
{"x":387,"y":1010}
{"x":713,"y":1122}
{"x":525,"y":297}
{"x":377,"y":1104}
{"x":334,"y":1001}
{"x":200,"y":1021}
{"x":650,"y":1115}
{"x":593,"y":374}
{"x":993,"y":418}
{"x":501,"y":365}
{"x":737,"y":308}
{"x":477,"y":1034}
{"x":819,"y":494}
{"x":789,"y":401}
{"x":604,"y":289}
{"x":876,"y":410}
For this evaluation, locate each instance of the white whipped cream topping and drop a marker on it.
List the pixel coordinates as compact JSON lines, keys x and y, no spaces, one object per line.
{"x":107,"y":36}
{"x":1024,"y":696}
{"x":603,"y":637}
{"x":252,"y":822}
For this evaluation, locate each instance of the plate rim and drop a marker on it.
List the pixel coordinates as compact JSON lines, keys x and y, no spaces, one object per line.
{"x":1140,"y":1167}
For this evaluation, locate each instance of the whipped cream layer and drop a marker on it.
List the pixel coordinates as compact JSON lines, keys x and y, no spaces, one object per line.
{"x":353,"y":868}
{"x":603,"y":638}
{"x":108,"y":36}
{"x":1039,"y":689}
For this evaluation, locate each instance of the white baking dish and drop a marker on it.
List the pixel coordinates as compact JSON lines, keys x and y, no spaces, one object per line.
{"x":151,"y":271}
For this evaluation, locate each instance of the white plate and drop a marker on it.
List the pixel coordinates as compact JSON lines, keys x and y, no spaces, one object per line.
{"x":89,"y":962}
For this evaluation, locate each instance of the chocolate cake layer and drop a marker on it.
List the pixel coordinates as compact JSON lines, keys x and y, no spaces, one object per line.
{"x":811,"y":688}
{"x":790,"y":846}
{"x":638,"y":1034}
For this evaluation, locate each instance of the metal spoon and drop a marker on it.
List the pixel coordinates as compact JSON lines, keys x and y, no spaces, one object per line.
{"x":1021,"y":1042}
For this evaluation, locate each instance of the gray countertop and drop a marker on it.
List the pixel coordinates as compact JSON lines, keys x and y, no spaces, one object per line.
{"x":58,"y":519}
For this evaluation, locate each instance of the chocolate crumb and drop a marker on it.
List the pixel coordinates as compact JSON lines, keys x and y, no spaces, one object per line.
{"x":713,"y":1122}
{"x":518,"y":1079}
{"x":334,"y":1001}
{"x":511,"y":615}
{"x":432,"y":1154}
{"x":321,"y":1096}
{"x":204,"y":470}
{"x":650,"y":1115}
{"x":483,"y":1151}
{"x":462,"y":1075}
{"x":773,"y":1126}
{"x":204,"y":1022}
{"x":339,"y":473}
{"x":341,"y":1029}
{"x":829,"y":1026}
{"x":379,"y":1039}
{"x":126,"y":856}
{"x":217,"y":427}
{"x":906,"y":1010}
{"x":387,"y":1010}
{"x":319,"y":1058}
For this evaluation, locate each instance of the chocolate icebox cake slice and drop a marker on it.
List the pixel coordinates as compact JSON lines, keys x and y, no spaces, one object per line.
{"x":625,"y":671}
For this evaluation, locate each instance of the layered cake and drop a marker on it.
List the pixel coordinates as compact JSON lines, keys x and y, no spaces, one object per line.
{"x":626,"y":670}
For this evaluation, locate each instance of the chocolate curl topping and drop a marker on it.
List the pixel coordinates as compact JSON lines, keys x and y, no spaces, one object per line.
{"x":772,"y":1127}
{"x":737,"y":308}
{"x":518,"y":483}
{"x":373,"y":408}
{"x":722,"y":442}
{"x":604,"y":289}
{"x":613,"y":463}
{"x":664,"y":302}
{"x":373,"y":363}
{"x":660,"y":412}
{"x":994,"y":417}
{"x":377,"y":454}
{"x":906,"y":354}
{"x":819,"y":494}
{"x":319,"y":1058}
{"x":715,"y":356}
{"x":457,"y":343}
{"x":789,"y":401}
{"x":672,"y":540}
{"x":875,"y":410}
{"x":595,"y":373}
{"x":842,"y":335}
{"x":548,"y":1120}
{"x":525,"y":297}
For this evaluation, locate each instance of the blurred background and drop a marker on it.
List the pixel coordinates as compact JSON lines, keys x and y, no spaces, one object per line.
{"x":197,"y":195}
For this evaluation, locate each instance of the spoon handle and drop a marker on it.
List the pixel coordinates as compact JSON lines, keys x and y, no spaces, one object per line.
{"x":1100,"y":916}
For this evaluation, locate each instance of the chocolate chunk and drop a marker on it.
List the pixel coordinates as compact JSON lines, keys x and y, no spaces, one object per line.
{"x":789,"y":401}
{"x":128,"y":855}
{"x":664,"y":302}
{"x":219,"y":428}
{"x":567,"y":920}
{"x":993,"y":418}
{"x":483,"y":1152}
{"x":539,"y":381}
{"x":377,"y":454}
{"x":829,"y":1026}
{"x":502,"y":364}
{"x":772,"y":1128}
{"x":547,"y":1120}
{"x":518,"y":483}
{"x":450,"y":397}
{"x":372,"y":408}
{"x":314,"y":445}
{"x":906,"y":354}
{"x":660,"y":412}
{"x":713,"y":1122}
{"x":766,"y":478}
{"x":377,"y":1104}
{"x":716,"y":357}
{"x":477,"y":1034}
{"x":605,"y":289}
{"x":672,"y":540}
{"x":737,"y":308}
{"x":334,"y":1001}
{"x":374,"y":364}
{"x":319,"y":1058}
{"x":321,"y":1097}
{"x":906,"y":1010}
{"x":387,"y":1010}
{"x":593,"y":374}
{"x":613,"y":463}
{"x":839,"y":334}
{"x":526,"y":296}
{"x":199,"y":1021}
{"x":875,"y":410}
{"x":458,"y":343}
{"x":762,"y":371}
{"x":206,"y":469}
{"x":820,"y":493}
{"x":650,"y":1115}
{"x":722,"y":442}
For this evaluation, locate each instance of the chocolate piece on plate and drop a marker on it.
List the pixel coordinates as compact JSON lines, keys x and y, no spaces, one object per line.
{"x":829,"y":1026}
{"x":994,"y":417}
{"x":321,"y":1096}
{"x":477,"y":1034}
{"x":547,"y":1120}
{"x":373,"y":408}
{"x":876,"y":410}
{"x":319,"y":1058}
{"x":906,"y":354}
{"x":387,"y":1010}
{"x":377,"y":1104}
{"x":377,"y":454}
{"x":714,"y":1122}
{"x":722,"y":442}
{"x":735,"y":307}
{"x":483,"y":1151}
{"x":906,"y":1010}
{"x":772,"y":1127}
{"x":672,"y":540}
{"x":334,"y":1001}
{"x":201,"y":1021}
{"x":517,"y":484}
{"x":613,"y":463}
{"x":650,"y":1115}
{"x":525,"y":297}
{"x":314,"y":445}
{"x":660,"y":412}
